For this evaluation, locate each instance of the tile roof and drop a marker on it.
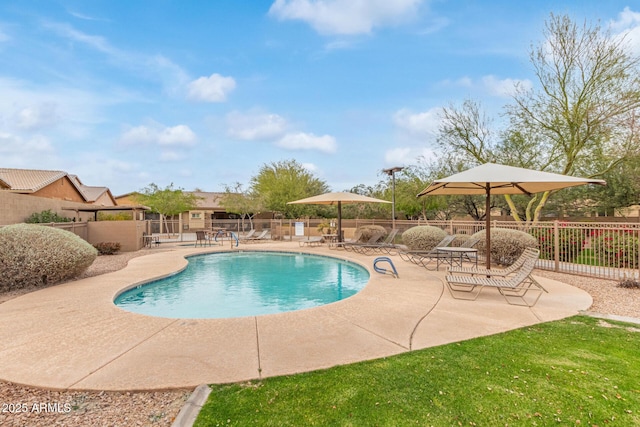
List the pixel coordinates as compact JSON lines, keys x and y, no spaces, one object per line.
{"x":207,"y":199}
{"x":29,"y":180}
{"x":90,"y":193}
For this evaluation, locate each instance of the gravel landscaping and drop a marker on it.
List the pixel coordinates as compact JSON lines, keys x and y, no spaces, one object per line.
{"x":23,"y":405}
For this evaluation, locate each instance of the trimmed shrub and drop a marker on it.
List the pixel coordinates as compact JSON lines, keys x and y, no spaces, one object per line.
{"x":368,"y":231}
{"x":423,"y":237}
{"x":107,"y":248}
{"x":506,"y":244}
{"x":36,"y":255}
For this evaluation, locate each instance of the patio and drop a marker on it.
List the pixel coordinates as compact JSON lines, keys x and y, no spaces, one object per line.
{"x":72,"y":336}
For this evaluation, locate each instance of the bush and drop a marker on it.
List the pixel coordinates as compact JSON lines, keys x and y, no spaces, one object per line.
{"x":45,"y":217}
{"x":616,"y":249}
{"x":423,"y":237}
{"x":107,"y":248}
{"x":506,"y":244}
{"x":368,"y":231}
{"x":36,"y":255}
{"x":570,"y":242}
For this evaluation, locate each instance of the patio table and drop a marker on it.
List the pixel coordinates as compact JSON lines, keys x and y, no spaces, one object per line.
{"x":455,"y":256}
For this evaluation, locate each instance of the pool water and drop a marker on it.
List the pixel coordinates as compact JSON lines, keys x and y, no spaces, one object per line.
{"x":236,"y":284}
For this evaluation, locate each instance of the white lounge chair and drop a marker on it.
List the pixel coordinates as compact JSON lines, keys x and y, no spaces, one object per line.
{"x":512,"y":288}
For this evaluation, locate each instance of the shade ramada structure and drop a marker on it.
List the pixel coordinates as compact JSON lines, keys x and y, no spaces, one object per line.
{"x":338,"y":198}
{"x":491,"y":178}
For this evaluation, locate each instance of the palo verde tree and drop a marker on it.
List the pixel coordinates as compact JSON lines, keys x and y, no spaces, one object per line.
{"x":581,"y":118}
{"x":278,"y":183}
{"x":166,"y":201}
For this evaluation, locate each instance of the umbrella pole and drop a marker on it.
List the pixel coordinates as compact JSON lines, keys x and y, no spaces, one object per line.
{"x":487,"y":230}
{"x":339,"y":221}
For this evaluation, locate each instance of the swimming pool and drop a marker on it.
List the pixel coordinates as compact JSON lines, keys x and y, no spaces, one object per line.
{"x":247,"y":283}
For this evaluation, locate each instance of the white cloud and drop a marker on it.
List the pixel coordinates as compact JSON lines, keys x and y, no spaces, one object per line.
{"x":421,"y":125}
{"x":402,"y":156}
{"x":345,"y":16}
{"x":310,"y":167}
{"x":180,"y":135}
{"x":255,"y":125}
{"x":628,"y":26}
{"x":95,"y":42}
{"x":171,"y":156}
{"x":37,"y":116}
{"x":177,"y":135}
{"x":308,"y":141}
{"x":20,"y":152}
{"x":214,"y":88}
{"x":504,"y":88}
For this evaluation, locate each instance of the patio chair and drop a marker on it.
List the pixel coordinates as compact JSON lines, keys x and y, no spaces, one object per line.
{"x":424,"y":258}
{"x":202,"y":239}
{"x":148,"y":240}
{"x":512,"y":288}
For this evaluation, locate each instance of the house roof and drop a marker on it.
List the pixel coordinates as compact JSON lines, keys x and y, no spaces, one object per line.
{"x":91,"y":193}
{"x":29,"y":180}
{"x":207,"y":199}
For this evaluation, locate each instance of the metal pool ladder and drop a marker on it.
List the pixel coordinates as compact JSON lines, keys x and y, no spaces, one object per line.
{"x":381,"y":270}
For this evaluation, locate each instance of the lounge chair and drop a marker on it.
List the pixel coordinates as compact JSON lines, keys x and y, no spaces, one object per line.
{"x":249,"y":235}
{"x":512,"y":288}
{"x":259,"y":237}
{"x":311,"y":241}
{"x":498,"y":272}
{"x":424,"y":258}
{"x":375,"y":238}
{"x":386,"y":246}
{"x":356,"y":237}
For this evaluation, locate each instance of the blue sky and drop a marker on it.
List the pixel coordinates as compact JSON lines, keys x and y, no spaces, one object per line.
{"x":203,"y":93}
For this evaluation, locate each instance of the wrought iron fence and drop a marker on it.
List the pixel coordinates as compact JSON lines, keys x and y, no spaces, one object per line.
{"x":609,"y":250}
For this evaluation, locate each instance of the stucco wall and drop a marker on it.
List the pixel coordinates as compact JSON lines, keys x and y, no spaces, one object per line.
{"x":61,"y":189}
{"x":15,"y":208}
{"x":128,"y":233}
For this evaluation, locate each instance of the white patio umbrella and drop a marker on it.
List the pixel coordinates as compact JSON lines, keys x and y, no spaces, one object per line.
{"x":492,"y":178}
{"x":338,"y":199}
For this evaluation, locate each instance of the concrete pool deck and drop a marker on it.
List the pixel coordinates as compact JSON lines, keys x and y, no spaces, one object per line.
{"x":72,"y":336}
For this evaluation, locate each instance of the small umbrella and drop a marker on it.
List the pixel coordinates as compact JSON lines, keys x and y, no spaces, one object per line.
{"x":492,"y":178}
{"x":339,"y":199}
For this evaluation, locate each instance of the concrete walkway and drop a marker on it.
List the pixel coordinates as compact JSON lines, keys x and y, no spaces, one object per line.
{"x":72,"y":336}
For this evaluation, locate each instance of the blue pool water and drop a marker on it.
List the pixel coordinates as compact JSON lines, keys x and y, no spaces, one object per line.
{"x":236,"y":284}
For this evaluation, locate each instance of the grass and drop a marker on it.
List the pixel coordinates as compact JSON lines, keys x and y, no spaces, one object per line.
{"x":588,"y":257}
{"x":576,"y":371}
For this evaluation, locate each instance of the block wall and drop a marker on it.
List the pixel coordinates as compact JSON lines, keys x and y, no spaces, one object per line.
{"x":15,"y":208}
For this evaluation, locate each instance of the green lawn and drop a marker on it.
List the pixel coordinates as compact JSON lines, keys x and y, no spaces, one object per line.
{"x":577,"y":371}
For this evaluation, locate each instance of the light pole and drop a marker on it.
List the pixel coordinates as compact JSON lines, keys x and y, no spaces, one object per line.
{"x":392,"y":173}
